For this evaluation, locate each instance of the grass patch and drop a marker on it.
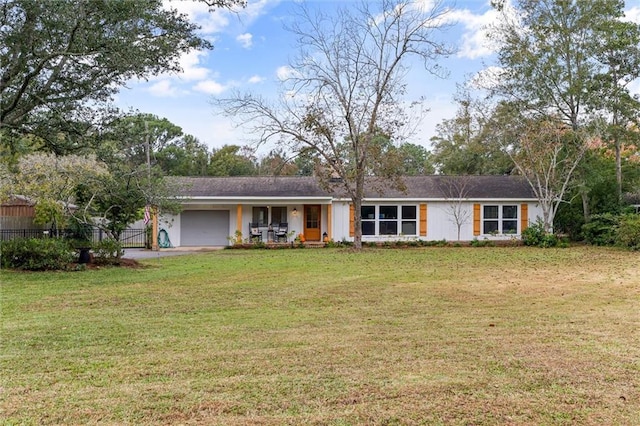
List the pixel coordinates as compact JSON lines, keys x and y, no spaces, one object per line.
{"x":415,"y":336}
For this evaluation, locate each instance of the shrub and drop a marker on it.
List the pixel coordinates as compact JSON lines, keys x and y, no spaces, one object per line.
{"x":601,"y":229}
{"x":628,"y":231}
{"x":346,"y":243}
{"x":549,"y":240}
{"x":258,"y":244}
{"x":37,"y":254}
{"x":484,"y":243}
{"x":536,"y":236}
{"x":107,"y":252}
{"x":532,"y":236}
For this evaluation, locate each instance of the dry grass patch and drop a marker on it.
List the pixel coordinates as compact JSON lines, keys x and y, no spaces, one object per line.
{"x":417,"y":336}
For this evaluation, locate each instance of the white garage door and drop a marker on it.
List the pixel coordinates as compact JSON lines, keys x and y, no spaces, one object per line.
{"x":204,"y":227}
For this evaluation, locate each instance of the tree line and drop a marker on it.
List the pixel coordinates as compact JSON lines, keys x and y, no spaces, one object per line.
{"x":556,"y":107}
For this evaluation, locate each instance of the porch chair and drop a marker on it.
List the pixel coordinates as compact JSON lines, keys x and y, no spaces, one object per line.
{"x":281,"y":232}
{"x":254,"y":232}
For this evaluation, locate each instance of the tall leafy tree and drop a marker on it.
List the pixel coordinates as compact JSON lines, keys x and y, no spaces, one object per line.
{"x":618,"y":53}
{"x":232,"y":160}
{"x":546,"y":55}
{"x":137,"y":137}
{"x":463,"y":145}
{"x":186,"y":156}
{"x":551,"y":56}
{"x":306,"y":161}
{"x":277,"y":163}
{"x":60,"y":56}
{"x":345,"y":89}
{"x":52,"y":182}
{"x":111,"y":202}
{"x":416,"y":160}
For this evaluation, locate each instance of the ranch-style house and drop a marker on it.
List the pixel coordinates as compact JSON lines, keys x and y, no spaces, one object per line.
{"x":219,"y":210}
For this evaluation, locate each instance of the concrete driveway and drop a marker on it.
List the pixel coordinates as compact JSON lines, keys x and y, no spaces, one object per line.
{"x":149,"y":254}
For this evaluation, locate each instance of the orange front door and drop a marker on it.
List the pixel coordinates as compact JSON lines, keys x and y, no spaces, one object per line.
{"x":312,"y":222}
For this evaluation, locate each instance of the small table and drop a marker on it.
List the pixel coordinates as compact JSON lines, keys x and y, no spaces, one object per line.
{"x":270,"y":234}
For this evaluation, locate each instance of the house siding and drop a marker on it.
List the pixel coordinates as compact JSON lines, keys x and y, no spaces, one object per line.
{"x":433,"y":221}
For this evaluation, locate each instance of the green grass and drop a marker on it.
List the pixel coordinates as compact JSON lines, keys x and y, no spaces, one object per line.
{"x":329,"y":337}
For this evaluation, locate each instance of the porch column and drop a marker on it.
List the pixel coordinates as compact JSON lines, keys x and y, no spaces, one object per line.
{"x":154,"y":228}
{"x":329,"y":225}
{"x":239,"y":224}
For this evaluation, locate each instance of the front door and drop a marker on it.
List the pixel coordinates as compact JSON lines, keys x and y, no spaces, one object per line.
{"x":312,"y":222}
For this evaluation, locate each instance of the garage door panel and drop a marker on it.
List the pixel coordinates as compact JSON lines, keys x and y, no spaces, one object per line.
{"x":204,"y":227}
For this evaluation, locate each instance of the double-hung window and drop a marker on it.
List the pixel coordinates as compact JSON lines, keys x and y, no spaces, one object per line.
{"x":389,"y":220}
{"x":278,"y":215}
{"x":500,"y":219}
{"x":368,"y":220}
{"x":260,"y":215}
{"x":410,"y":220}
{"x":388,"y":223}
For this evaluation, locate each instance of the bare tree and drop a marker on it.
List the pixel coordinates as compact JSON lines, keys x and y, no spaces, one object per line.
{"x":547,"y":154}
{"x":344,"y":92}
{"x":456,"y":192}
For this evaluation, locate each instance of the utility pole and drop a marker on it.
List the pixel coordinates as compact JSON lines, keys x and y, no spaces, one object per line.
{"x":154,"y":209}
{"x":148,"y":148}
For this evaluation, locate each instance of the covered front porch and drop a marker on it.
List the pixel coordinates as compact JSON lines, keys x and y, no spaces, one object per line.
{"x":273,"y":222}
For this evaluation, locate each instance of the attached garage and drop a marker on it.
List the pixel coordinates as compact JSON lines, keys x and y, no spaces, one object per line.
{"x":204,"y":227}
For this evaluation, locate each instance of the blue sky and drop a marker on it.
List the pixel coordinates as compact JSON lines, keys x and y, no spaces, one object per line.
{"x":252,"y":50}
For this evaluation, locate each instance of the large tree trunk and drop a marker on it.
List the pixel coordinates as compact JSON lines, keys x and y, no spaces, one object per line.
{"x":547,"y":217}
{"x":357,"y":224}
{"x":357,"y":211}
{"x":618,"y":168}
{"x":585,"y":204}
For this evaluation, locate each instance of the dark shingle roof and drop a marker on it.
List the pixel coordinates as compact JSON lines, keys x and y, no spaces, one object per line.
{"x":249,"y":186}
{"x":476,"y":187}
{"x":423,"y":187}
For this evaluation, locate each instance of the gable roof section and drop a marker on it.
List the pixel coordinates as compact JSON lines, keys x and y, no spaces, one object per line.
{"x":450,"y":187}
{"x":248,"y":186}
{"x":417,"y":187}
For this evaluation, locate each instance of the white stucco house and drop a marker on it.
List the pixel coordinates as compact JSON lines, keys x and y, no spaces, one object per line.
{"x":215,"y":209}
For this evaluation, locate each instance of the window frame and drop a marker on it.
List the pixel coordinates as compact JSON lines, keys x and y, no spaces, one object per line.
{"x":389,"y":220}
{"x":501,"y":219}
{"x":255,"y":215}
{"x":283,"y":215}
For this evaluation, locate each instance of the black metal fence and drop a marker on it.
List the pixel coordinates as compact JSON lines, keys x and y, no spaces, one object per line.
{"x":130,"y":238}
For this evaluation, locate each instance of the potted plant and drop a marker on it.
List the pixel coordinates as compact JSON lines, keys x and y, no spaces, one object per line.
{"x":80,"y":237}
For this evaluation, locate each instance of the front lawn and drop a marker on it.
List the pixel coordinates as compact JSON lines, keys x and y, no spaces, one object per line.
{"x":462,"y":336}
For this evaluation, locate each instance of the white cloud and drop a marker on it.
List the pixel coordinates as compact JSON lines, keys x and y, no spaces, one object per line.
{"x":256,"y":79}
{"x":284,"y":72}
{"x":425,"y":5}
{"x":163,"y":88}
{"x":633,"y":14}
{"x":190,"y":64}
{"x":255,"y":9}
{"x":246,"y":40}
{"x":210,"y":87}
{"x":486,"y":78}
{"x":198,"y":13}
{"x":474,"y":41}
